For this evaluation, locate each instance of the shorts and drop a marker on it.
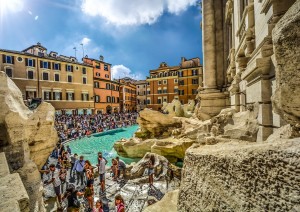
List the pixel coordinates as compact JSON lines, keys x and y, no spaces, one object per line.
{"x":57,"y":190}
{"x":102,"y":177}
{"x":150,"y":171}
{"x":90,"y":182}
{"x":122,"y":168}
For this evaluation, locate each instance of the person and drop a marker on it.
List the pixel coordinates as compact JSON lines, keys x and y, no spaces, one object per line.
{"x":69,"y":150}
{"x":89,"y":172}
{"x":121,"y":167}
{"x":101,"y":168}
{"x":63,"y":178}
{"x":73,"y":160}
{"x":151,"y":163}
{"x":89,"y":195}
{"x":99,"y":206}
{"x":79,"y":169}
{"x":114,"y":168}
{"x":73,"y":203}
{"x":119,"y":202}
{"x":54,"y":174}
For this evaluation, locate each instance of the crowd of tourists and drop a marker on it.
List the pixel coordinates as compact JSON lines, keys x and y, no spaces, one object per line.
{"x":72,"y":172}
{"x":78,"y":126}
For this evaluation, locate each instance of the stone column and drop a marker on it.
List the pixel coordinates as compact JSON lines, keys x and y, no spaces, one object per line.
{"x":209,"y":45}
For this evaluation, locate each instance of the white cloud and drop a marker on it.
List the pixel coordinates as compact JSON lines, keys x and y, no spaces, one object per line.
{"x":120,"y":71}
{"x":36,"y":17}
{"x":133,"y":12}
{"x":85,"y":41}
{"x":11,"y":5}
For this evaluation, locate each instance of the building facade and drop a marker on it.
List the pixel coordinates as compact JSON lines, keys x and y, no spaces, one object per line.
{"x":237,"y":46}
{"x":174,"y":82}
{"x":106,"y":91}
{"x":57,"y":79}
{"x":128,"y":98}
{"x":141,"y":94}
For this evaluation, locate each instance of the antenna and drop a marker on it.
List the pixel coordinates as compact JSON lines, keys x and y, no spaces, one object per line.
{"x":82,"y":50}
{"x":75,"y":51}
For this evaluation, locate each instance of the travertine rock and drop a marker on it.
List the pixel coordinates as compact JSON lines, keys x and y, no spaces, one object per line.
{"x":286,"y":40}
{"x":241,"y":176}
{"x":176,"y":109}
{"x":167,"y":204}
{"x":160,"y":167}
{"x":171,"y":148}
{"x":154,"y":124}
{"x":27,"y":138}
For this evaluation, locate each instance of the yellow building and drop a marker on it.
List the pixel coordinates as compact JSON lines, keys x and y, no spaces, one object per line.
{"x":60,"y":80}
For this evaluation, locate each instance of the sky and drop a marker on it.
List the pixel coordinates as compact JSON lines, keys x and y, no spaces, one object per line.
{"x":135,"y":36}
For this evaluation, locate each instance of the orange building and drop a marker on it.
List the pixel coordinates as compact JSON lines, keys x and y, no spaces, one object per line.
{"x":106,"y":91}
{"x":60,"y":80}
{"x":127,"y":95}
{"x":174,"y":82}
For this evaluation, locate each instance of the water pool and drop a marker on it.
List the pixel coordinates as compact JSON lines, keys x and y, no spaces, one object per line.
{"x":102,"y":142}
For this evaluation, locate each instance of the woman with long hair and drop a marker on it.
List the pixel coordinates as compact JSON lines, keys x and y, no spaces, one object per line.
{"x":119,"y":202}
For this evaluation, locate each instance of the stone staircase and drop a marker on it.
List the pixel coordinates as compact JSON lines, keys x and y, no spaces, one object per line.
{"x":13,"y":195}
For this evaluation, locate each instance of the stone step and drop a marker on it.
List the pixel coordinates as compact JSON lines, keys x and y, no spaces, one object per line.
{"x":4,"y":169}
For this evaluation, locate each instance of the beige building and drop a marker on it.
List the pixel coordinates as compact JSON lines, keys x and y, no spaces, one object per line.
{"x":60,"y":80}
{"x":238,"y":70}
{"x":141,"y":94}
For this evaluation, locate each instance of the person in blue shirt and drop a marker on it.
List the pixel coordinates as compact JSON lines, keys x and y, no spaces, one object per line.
{"x":79,"y":169}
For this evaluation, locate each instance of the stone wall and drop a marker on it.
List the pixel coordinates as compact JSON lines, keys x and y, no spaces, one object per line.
{"x":240,"y":176}
{"x":27,"y":138}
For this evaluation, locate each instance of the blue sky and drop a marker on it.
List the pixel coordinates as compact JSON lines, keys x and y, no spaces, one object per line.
{"x":133,"y":35}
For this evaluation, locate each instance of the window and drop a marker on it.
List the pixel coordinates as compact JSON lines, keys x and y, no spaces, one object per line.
{"x":159,"y":91}
{"x":159,"y":82}
{"x":70,"y":78}
{"x":108,"y":98}
{"x":165,"y":90}
{"x":84,"y":96}
{"x":83,"y":70}
{"x":45,"y":76}
{"x":98,"y":66}
{"x":194,"y":81}
{"x":70,"y":96}
{"x":69,"y":68}
{"x":105,"y":67}
{"x":8,"y":59}
{"x":97,"y":98}
{"x":148,"y":92}
{"x":113,"y":99}
{"x":138,"y":93}
{"x":45,"y":64}
{"x":180,"y":74}
{"x":8,"y":72}
{"x":118,"y":88}
{"x":57,"y":95}
{"x":56,"y":77}
{"x":148,"y":83}
{"x":107,"y":86}
{"x":181,"y":82}
{"x":165,"y":99}
{"x":30,"y":62}
{"x":84,"y":80}
{"x":118,"y":99}
{"x":175,"y":80}
{"x":96,"y":84}
{"x":194,"y":72}
{"x":30,"y":75}
{"x":148,"y":101}
{"x":20,"y":59}
{"x":165,"y":81}
{"x":158,"y":101}
{"x":194,"y":91}
{"x":56,"y":66}
{"x":144,"y":93}
{"x":106,"y":76}
{"x":181,"y":92}
{"x":47,"y":95}
{"x":97,"y":74}
{"x":175,"y":90}
{"x":138,"y":86}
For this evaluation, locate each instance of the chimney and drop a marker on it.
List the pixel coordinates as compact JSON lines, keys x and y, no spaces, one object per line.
{"x":101,"y":58}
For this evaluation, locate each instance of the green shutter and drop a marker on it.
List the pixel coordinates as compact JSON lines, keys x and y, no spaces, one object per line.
{"x":4,"y":58}
{"x":12,"y":59}
{"x":26,"y":61}
{"x":33,"y":60}
{"x":41,"y":64}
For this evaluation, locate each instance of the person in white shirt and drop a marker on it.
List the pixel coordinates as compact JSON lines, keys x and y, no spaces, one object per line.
{"x":54,"y":174}
{"x":101,"y":168}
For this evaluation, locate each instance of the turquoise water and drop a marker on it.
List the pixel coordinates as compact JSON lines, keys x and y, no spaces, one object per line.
{"x":102,"y":142}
